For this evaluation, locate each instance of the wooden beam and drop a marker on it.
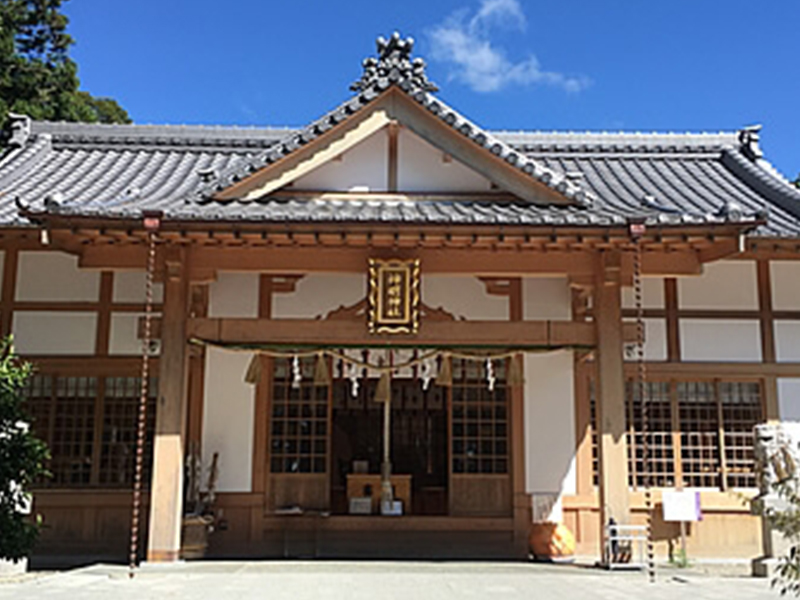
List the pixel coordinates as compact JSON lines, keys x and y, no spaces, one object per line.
{"x":102,"y":337}
{"x":9,"y":288}
{"x":746,"y":371}
{"x":610,"y":405}
{"x":166,"y":506}
{"x":724,"y":248}
{"x":765,"y":311}
{"x":673,"y":325}
{"x":354,"y":333}
{"x":392,"y":157}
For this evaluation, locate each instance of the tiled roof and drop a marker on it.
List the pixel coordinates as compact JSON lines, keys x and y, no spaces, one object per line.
{"x":122,"y":170}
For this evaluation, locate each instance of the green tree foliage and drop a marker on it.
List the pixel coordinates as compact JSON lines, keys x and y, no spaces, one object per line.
{"x":37,"y":77}
{"x":22,"y":458}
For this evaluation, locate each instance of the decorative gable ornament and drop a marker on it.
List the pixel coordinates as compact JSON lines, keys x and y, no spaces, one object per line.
{"x":393,"y":296}
{"x":394,"y":65}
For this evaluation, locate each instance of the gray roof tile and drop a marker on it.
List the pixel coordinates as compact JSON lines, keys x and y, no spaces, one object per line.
{"x":118,"y":171}
{"x":97,"y":177}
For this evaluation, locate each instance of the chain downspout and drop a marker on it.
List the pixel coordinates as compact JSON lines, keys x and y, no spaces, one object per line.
{"x":637,"y":230}
{"x":151,"y":224}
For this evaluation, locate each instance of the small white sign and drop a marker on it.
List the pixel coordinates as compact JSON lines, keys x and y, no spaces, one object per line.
{"x":361,"y":506}
{"x":681,"y":505}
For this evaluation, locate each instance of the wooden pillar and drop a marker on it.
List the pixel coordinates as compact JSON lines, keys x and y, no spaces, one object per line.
{"x":613,"y":456}
{"x":521,"y":498}
{"x":166,"y":489}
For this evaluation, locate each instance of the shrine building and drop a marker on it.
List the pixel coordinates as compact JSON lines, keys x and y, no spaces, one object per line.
{"x":395,"y":304}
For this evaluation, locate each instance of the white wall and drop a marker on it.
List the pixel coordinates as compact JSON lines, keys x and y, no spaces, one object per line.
{"x":228,"y":418}
{"x":787,"y":341}
{"x":234,"y":295}
{"x":550,"y":426}
{"x":789,"y":399}
{"x":655,"y":339}
{"x":652,"y":294}
{"x":720,"y":340}
{"x":785,"y":277}
{"x":54,"y":276}
{"x":463,"y":297}
{"x":50,"y":333}
{"x":723,"y":285}
{"x":422,"y":168}
{"x":129,"y":286}
{"x":123,"y":338}
{"x":546,"y":298}
{"x":363,"y":166}
{"x":317,"y":295}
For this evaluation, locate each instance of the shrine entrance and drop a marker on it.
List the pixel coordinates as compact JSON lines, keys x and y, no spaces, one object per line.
{"x":439,"y":426}
{"x":418,"y":434}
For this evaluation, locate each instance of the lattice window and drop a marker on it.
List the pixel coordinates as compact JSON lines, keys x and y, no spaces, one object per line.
{"x":299,"y":420}
{"x":659,"y":438}
{"x":480,"y":418}
{"x":120,"y":424}
{"x":39,"y":405}
{"x":70,"y":414}
{"x":72,"y":442}
{"x":741,"y":411}
{"x":703,"y":410}
{"x":699,"y":422}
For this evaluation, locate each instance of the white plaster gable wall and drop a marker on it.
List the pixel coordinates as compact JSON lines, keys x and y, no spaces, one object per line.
{"x":422,"y":168}
{"x":53,"y":333}
{"x":317,"y":295}
{"x":546,"y":298}
{"x":550,"y":426}
{"x":364,"y":166}
{"x":720,"y":340}
{"x":129,"y":286}
{"x":228,"y":418}
{"x":785,"y":277}
{"x":54,"y":276}
{"x":652,"y":294}
{"x":723,"y":285}
{"x":787,"y":341}
{"x":234,"y":295}
{"x":463,"y":297}
{"x":789,"y":399}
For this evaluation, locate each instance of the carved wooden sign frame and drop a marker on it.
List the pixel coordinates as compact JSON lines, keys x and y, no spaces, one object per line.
{"x":393,"y":295}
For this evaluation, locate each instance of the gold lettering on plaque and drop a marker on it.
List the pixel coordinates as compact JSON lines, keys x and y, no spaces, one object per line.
{"x":393,"y":296}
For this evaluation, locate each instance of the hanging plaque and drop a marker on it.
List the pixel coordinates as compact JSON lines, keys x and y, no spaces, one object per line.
{"x":393,"y":296}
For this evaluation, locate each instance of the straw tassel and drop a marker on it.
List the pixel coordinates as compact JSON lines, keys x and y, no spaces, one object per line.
{"x":383,"y":392}
{"x":445,"y":376}
{"x":253,"y":375}
{"x":516,"y":377}
{"x":322,"y":376}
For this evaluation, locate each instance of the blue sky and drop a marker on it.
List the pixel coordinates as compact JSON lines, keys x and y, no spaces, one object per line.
{"x":699,"y":65}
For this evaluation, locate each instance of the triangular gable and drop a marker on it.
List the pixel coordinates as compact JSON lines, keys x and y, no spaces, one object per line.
{"x":394,"y":90}
{"x":394,"y":160}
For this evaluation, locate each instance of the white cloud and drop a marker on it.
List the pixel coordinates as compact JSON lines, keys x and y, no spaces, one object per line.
{"x":464,"y":42}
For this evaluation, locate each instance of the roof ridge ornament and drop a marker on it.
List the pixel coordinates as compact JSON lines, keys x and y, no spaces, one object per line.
{"x":19,"y":129}
{"x":748,"y":140}
{"x":394,"y":65}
